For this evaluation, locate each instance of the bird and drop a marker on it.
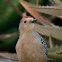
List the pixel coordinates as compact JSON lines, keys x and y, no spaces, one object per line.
{"x":30,"y":47}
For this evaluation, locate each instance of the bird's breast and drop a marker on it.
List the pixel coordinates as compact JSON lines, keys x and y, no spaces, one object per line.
{"x":30,"y":49}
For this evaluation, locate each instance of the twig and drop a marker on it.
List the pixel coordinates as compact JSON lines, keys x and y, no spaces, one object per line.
{"x":50,"y":41}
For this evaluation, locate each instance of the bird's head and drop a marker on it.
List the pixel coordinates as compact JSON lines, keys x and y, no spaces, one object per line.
{"x":27,"y":23}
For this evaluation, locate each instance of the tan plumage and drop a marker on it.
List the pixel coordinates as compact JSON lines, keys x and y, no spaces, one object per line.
{"x":29,"y":47}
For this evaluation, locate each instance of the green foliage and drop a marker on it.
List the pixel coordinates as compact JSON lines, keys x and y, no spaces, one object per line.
{"x":32,"y":1}
{"x":8,"y":44}
{"x":8,"y":16}
{"x":44,"y":2}
{"x":57,"y":49}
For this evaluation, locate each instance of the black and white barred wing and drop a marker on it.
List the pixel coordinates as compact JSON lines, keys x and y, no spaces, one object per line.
{"x":44,"y":45}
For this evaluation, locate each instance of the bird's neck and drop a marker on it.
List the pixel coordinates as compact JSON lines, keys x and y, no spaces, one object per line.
{"x":26,"y":29}
{"x":26,"y":32}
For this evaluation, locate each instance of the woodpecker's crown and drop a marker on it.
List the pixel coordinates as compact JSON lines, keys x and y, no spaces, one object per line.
{"x":29,"y":19}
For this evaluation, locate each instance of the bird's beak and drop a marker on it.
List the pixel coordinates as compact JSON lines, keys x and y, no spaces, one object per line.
{"x":32,"y":21}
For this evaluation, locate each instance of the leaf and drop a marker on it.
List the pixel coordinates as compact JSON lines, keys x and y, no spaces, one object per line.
{"x":11,"y":56}
{"x":55,"y":56}
{"x":35,"y":14}
{"x":56,"y":32}
{"x":55,"y":49}
{"x":51,"y":10}
{"x":58,"y":2}
{"x":52,"y":53}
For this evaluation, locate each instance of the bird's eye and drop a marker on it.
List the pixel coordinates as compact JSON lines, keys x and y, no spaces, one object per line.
{"x":24,"y":21}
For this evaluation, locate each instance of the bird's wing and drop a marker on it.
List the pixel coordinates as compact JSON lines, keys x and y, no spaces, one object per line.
{"x":44,"y":45}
